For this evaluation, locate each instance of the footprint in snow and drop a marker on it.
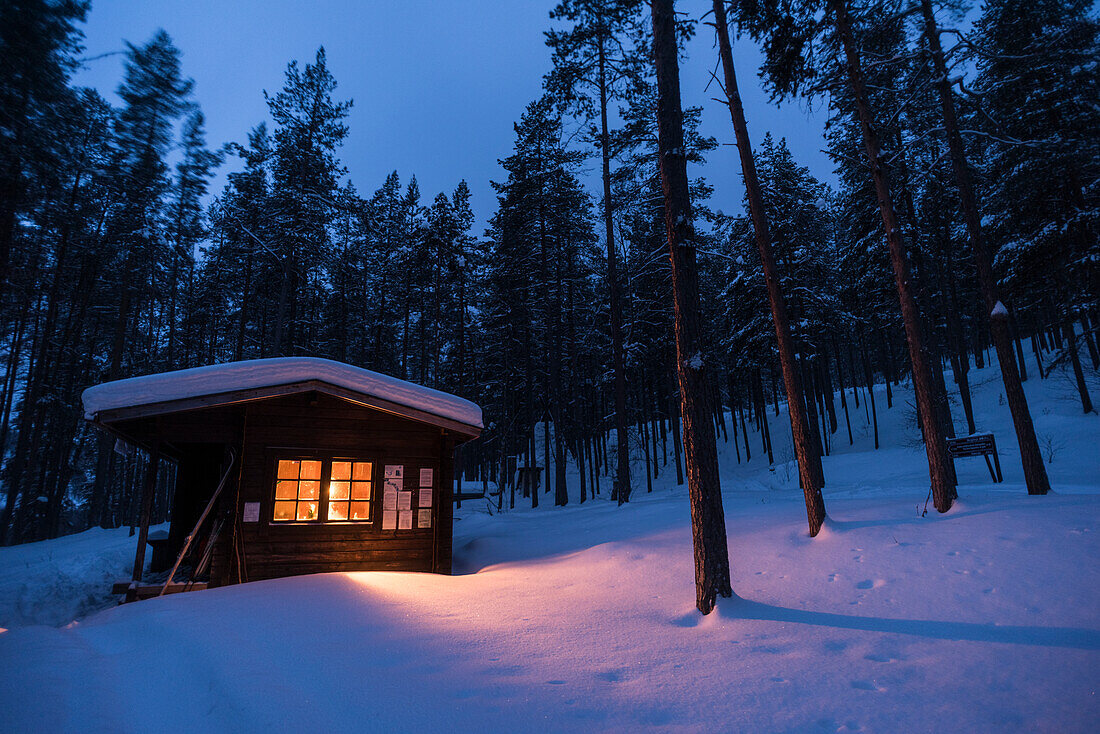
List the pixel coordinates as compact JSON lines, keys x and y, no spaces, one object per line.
{"x":866,"y":685}
{"x":871,"y":584}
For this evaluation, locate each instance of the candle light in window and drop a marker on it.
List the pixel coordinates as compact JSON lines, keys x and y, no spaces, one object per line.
{"x":307,"y":510}
{"x":338,"y":490}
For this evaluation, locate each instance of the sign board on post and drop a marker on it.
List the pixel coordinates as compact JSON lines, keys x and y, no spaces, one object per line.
{"x":977,"y":444}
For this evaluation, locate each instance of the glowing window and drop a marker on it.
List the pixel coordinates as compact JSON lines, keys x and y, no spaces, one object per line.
{"x":297,"y":490}
{"x":349,"y":491}
{"x":311,"y":490}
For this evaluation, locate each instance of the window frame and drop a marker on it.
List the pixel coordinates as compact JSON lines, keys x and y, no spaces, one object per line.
{"x":325,"y":480}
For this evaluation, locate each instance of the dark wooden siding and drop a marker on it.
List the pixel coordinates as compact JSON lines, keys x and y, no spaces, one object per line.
{"x":316,"y":424}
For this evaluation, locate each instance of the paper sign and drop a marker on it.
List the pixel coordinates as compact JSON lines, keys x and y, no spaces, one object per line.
{"x":424,"y":519}
{"x":404,"y":500}
{"x":426,"y":477}
{"x":251,"y":512}
{"x":405,"y":521}
{"x":426,"y":497}
{"x":394,"y":471}
{"x":389,"y":519}
{"x":394,"y":484}
{"x":389,"y":499}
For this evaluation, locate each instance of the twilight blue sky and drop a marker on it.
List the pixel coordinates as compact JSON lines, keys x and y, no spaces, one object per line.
{"x":437,"y":84}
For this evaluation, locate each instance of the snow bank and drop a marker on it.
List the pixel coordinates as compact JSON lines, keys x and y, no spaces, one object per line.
{"x":219,"y":378}
{"x":54,"y":582}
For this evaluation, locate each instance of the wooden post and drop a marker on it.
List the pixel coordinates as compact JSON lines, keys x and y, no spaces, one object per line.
{"x":443,"y":532}
{"x":146,"y":508}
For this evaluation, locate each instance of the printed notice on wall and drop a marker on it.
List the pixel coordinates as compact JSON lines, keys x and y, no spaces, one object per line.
{"x":424,"y":519}
{"x":426,"y":497}
{"x":426,"y":477}
{"x":389,"y":519}
{"x":404,"y":500}
{"x":251,"y":512}
{"x":389,"y":499}
{"x":395,"y":471}
{"x":393,"y":484}
{"x":405,"y":521}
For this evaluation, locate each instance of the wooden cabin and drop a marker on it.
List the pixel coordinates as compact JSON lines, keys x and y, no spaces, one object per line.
{"x":293,"y":466}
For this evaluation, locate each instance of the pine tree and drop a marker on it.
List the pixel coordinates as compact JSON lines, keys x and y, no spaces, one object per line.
{"x":305,"y":173}
{"x":811,"y":476}
{"x":793,"y":44}
{"x":712,"y":572}
{"x":1036,"y":89}
{"x":38,"y":43}
{"x":1035,"y":475}
{"x":193,"y":174}
{"x":586,"y":77}
{"x":537,"y":237}
{"x":154,"y":94}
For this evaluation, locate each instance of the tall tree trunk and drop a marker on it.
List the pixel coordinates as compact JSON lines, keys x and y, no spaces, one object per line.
{"x":622,"y":447}
{"x":1035,"y":475}
{"x":1086,"y":333}
{"x":1075,"y":360}
{"x":811,"y":476}
{"x":708,"y":524}
{"x":934,"y":444}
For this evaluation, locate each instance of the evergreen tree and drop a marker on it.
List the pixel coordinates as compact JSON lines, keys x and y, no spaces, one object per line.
{"x":587,"y":75}
{"x":708,"y":526}
{"x":309,"y":126}
{"x":1037,"y":86}
{"x":811,"y":476}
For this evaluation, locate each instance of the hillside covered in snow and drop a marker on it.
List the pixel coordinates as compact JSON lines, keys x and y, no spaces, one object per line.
{"x":582,"y":618}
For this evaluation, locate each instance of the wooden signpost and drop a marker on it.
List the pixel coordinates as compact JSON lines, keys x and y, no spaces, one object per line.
{"x":977,"y":444}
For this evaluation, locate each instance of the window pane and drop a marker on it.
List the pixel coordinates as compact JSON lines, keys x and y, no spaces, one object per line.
{"x":360,"y":490}
{"x":288,"y":469}
{"x":360,"y":510}
{"x":338,"y":490}
{"x":361,"y":470}
{"x":309,"y":490}
{"x":341,"y":470}
{"x":284,"y":511}
{"x":311,"y":470}
{"x":337,"y":510}
{"x":307,"y":510}
{"x":286,"y":489}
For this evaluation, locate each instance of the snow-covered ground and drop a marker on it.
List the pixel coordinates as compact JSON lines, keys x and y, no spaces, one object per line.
{"x":54,"y":582}
{"x":582,"y":619}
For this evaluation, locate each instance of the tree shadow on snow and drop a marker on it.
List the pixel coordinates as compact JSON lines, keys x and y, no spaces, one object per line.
{"x":1077,"y":638}
{"x":957,"y":512}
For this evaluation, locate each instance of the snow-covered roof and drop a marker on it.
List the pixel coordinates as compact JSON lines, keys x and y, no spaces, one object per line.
{"x":260,"y":373}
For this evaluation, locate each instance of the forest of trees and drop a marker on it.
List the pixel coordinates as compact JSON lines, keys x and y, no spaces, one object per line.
{"x":963,"y":228}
